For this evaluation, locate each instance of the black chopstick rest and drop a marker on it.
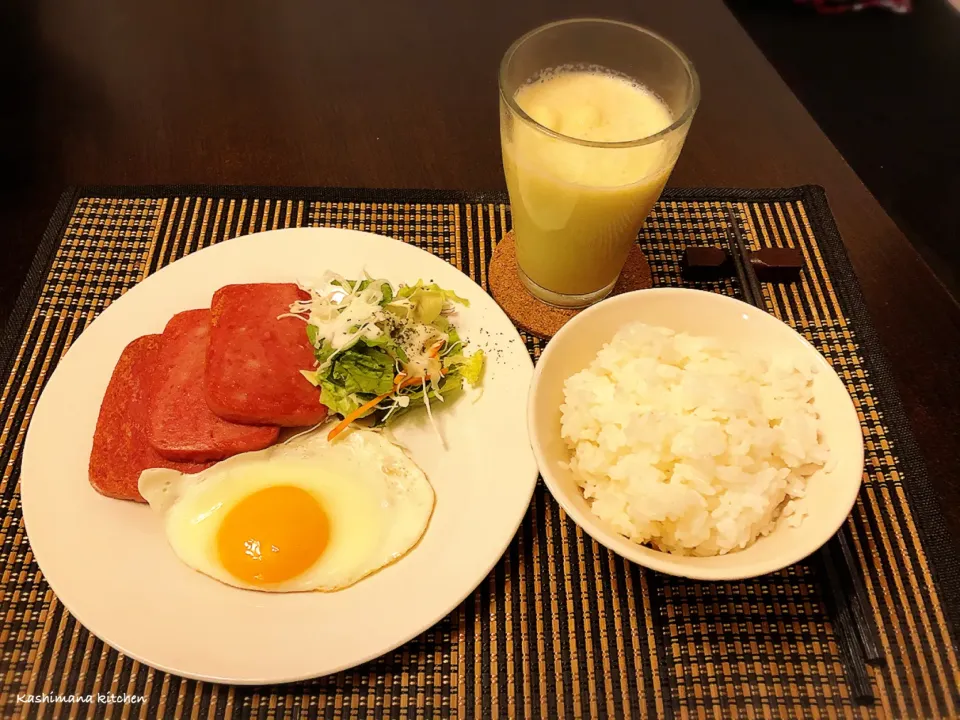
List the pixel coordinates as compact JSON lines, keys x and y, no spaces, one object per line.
{"x":701,"y":263}
{"x":777,"y":265}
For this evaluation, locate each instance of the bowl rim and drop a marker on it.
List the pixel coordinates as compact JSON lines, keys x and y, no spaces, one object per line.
{"x":656,"y":559}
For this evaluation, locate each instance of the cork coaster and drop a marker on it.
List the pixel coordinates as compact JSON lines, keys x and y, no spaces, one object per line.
{"x":536,"y":316}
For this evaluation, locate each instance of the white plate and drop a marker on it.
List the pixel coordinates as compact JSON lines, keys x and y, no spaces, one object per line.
{"x":108,"y":560}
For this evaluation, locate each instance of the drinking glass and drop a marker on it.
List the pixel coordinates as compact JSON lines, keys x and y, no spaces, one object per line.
{"x":578,"y":204}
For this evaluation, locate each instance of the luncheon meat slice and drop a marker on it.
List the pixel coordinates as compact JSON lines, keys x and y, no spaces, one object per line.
{"x":120,"y":447}
{"x":182,"y":427}
{"x":255,"y":358}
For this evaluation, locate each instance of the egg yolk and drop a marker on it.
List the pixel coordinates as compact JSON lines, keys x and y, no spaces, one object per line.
{"x":272,"y":535}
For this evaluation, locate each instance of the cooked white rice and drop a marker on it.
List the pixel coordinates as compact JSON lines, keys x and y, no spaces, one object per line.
{"x":691,"y":447}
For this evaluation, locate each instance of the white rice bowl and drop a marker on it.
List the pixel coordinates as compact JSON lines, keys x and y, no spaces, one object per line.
{"x":691,"y":447}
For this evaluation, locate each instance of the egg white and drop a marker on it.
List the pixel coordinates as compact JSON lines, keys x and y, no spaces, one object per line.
{"x":377,"y":500}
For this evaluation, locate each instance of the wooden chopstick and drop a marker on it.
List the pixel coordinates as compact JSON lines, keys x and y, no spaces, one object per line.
{"x":847,"y":596}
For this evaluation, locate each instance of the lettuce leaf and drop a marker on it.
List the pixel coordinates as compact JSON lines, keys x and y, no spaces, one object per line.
{"x":472,"y":368}
{"x":409,"y":290}
{"x":354,"y":377}
{"x":469,"y":367}
{"x":337,"y":398}
{"x":370,"y":371}
{"x":428,"y":300}
{"x":454,"y":344}
{"x":312,"y":376}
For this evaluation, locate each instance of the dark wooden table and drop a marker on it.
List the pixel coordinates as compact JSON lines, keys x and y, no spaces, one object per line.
{"x":403,"y":94}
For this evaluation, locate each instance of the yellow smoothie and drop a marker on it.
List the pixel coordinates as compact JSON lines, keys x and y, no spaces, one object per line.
{"x":577,"y":208}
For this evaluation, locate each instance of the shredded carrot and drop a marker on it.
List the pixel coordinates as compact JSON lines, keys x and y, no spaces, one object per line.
{"x":435,"y":349}
{"x":371,"y":404}
{"x":345,"y":423}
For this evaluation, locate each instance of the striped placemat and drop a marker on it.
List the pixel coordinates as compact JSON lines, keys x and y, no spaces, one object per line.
{"x":562,"y":627}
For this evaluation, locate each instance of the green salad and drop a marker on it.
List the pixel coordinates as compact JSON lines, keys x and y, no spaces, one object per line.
{"x":382,"y":350}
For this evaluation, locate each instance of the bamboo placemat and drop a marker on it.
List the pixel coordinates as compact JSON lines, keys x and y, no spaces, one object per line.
{"x":562,"y":627}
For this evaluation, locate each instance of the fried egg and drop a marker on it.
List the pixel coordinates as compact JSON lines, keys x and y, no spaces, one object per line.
{"x":305,"y":515}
